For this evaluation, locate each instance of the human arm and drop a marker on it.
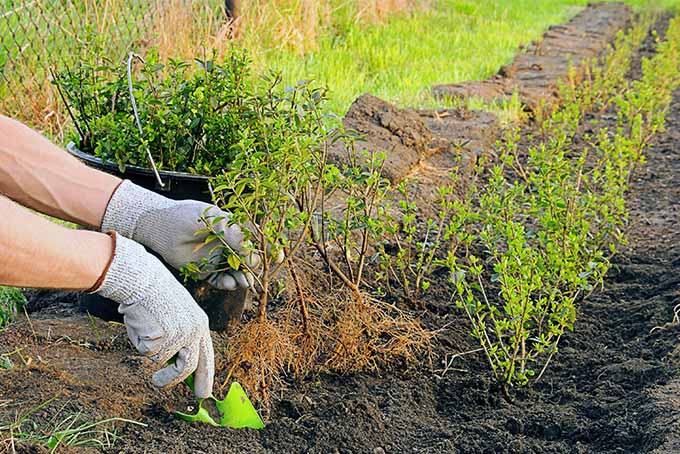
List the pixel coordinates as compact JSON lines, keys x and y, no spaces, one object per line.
{"x":161,"y":317}
{"x":35,"y":252}
{"x":39,"y":175}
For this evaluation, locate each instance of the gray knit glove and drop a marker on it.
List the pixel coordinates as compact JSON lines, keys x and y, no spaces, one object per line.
{"x":169,"y":228}
{"x":161,"y":317}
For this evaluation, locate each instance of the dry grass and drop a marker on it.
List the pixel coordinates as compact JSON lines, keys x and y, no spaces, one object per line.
{"x":177,"y":28}
{"x":298,"y":24}
{"x":187,"y":29}
{"x":35,"y":101}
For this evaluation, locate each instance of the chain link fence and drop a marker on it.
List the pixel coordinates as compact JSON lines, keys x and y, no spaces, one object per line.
{"x":41,"y":36}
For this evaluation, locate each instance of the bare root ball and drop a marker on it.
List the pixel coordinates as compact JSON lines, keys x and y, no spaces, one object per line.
{"x":370,"y":334}
{"x":257,"y":355}
{"x":340,"y":335}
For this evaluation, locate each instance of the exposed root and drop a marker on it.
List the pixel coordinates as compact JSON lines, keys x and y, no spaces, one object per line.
{"x":374,"y":333}
{"x":340,"y":335}
{"x":257,"y":354}
{"x":672,"y":324}
{"x":307,"y":335}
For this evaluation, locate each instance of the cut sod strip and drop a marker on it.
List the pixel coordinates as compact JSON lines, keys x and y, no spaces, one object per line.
{"x":535,"y":73}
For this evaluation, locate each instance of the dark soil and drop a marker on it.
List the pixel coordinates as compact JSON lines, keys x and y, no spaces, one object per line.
{"x":614,"y":387}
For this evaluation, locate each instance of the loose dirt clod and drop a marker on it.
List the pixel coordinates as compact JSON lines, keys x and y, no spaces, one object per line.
{"x":422,"y":146}
{"x":383,"y":127}
{"x":466,"y":135}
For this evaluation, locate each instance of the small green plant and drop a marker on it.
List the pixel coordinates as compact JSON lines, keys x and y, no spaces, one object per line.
{"x":606,"y":79}
{"x":292,"y":197}
{"x":11,"y":302}
{"x":642,"y":106}
{"x":411,"y":252}
{"x":546,"y":222}
{"x":315,"y":224}
{"x":352,"y":216}
{"x":275,"y":181}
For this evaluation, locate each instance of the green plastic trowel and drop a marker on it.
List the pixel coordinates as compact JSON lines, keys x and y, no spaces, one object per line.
{"x":236,"y":411}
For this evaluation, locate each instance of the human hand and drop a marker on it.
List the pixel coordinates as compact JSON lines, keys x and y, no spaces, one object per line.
{"x":170,"y":228}
{"x":161,"y":317}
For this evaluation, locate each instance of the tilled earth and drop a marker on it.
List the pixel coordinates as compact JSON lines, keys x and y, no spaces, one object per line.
{"x":614,"y":387}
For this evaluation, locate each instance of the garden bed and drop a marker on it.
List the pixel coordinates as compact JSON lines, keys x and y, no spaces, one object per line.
{"x":602,"y":394}
{"x":609,"y":389}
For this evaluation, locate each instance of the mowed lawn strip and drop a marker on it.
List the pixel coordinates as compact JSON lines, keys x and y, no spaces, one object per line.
{"x":450,"y":41}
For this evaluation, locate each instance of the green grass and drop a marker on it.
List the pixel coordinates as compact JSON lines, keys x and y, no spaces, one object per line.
{"x":453,"y":41}
{"x":65,"y":430}
{"x":11,"y":300}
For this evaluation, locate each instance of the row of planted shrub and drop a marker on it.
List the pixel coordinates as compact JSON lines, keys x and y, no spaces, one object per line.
{"x":538,"y":236}
{"x":532,"y":236}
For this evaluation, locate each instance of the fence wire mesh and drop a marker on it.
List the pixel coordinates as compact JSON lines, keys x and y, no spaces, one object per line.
{"x":40,"y":36}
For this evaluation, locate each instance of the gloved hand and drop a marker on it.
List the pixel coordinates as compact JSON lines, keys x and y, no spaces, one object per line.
{"x":161,"y":317}
{"x":169,"y":228}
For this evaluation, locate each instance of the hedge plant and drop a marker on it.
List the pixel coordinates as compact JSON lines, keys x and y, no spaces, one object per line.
{"x":195,"y":116}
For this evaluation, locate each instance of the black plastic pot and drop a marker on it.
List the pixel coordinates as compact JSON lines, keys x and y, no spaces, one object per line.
{"x":223,"y":307}
{"x":177,"y":185}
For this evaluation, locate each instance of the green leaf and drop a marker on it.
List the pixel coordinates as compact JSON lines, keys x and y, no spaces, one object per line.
{"x":55,"y":440}
{"x":234,"y":261}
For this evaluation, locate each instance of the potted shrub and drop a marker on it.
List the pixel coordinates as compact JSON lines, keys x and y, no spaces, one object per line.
{"x":171,"y":127}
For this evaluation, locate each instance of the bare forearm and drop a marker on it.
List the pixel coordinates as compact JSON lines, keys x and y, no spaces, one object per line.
{"x":39,"y":175}
{"x":35,"y":252}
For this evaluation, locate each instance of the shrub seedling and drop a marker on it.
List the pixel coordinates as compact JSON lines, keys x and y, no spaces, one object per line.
{"x":548,"y":222}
